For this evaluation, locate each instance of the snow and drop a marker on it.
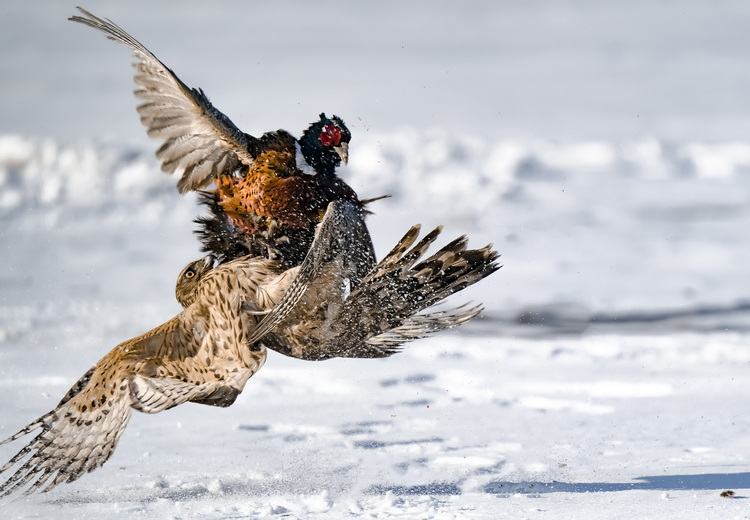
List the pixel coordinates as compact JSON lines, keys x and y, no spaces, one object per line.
{"x":587,"y":227}
{"x":603,"y":150}
{"x":595,"y":378}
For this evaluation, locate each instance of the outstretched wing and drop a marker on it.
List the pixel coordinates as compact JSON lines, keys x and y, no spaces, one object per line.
{"x":197,"y":137}
{"x":333,"y":309}
{"x":156,"y":371}
{"x":72,"y":441}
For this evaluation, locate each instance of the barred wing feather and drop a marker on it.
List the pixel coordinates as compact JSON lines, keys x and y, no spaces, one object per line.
{"x":198,"y":139}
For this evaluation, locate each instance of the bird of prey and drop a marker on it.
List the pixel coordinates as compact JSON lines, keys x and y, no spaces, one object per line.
{"x":201,"y":355}
{"x":320,"y":309}
{"x":270,"y":192}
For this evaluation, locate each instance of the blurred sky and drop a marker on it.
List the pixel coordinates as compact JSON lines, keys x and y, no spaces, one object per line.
{"x":574,"y":70}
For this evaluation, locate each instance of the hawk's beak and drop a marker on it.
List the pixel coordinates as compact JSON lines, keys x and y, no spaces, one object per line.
{"x":343,"y":151}
{"x":208,"y":261}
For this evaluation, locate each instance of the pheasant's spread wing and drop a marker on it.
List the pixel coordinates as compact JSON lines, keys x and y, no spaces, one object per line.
{"x":163,"y":368}
{"x":384,"y":309}
{"x":197,"y":137}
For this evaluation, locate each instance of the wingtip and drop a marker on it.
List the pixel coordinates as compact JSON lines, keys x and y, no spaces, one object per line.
{"x":76,"y":18}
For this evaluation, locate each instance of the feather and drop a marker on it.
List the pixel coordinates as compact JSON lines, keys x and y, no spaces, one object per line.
{"x":192,"y":128}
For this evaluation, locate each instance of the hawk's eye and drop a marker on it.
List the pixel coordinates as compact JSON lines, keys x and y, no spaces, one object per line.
{"x":189,"y":274}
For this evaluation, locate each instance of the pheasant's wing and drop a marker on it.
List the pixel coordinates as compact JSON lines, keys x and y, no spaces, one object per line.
{"x":383,"y":309}
{"x":340,"y":256}
{"x":153,"y":372}
{"x":197,"y":137}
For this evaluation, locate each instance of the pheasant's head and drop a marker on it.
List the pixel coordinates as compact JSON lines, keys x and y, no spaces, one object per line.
{"x":325,"y":144}
{"x":189,"y":280}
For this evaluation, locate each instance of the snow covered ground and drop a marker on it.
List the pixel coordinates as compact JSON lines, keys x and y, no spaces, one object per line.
{"x":608,"y":375}
{"x":608,"y":372}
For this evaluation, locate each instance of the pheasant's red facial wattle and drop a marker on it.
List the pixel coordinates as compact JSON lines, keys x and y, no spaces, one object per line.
{"x":331,"y":135}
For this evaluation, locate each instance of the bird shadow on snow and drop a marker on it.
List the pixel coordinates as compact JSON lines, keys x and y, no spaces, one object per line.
{"x":199,"y":491}
{"x":708,"y":481}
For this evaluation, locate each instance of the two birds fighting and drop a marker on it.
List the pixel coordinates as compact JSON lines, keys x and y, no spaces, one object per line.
{"x":291,"y":267}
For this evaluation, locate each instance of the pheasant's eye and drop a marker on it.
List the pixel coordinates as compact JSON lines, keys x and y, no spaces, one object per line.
{"x":189,"y":274}
{"x":330,"y":135}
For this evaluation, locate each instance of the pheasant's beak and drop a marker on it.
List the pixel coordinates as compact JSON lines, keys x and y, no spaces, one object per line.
{"x":343,"y":151}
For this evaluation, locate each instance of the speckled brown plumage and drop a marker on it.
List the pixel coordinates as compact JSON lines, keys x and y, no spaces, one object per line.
{"x":201,"y":355}
{"x":275,"y":189}
{"x":274,"y":207}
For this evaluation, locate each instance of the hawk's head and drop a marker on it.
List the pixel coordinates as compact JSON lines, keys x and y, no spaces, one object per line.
{"x":189,"y":280}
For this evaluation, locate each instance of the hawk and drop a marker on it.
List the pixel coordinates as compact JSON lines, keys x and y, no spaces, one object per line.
{"x":324,"y":308}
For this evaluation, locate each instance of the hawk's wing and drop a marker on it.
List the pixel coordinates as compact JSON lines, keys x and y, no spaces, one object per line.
{"x":341,"y":305}
{"x":340,"y":256}
{"x":197,"y":137}
{"x":153,"y":372}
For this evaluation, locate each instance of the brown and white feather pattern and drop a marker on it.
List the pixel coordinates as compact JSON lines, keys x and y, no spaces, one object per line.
{"x":198,"y":139}
{"x":201,"y":355}
{"x":341,"y":305}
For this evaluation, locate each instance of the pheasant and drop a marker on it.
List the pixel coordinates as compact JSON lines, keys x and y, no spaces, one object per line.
{"x":272,"y":209}
{"x":270,"y":192}
{"x":207,"y":353}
